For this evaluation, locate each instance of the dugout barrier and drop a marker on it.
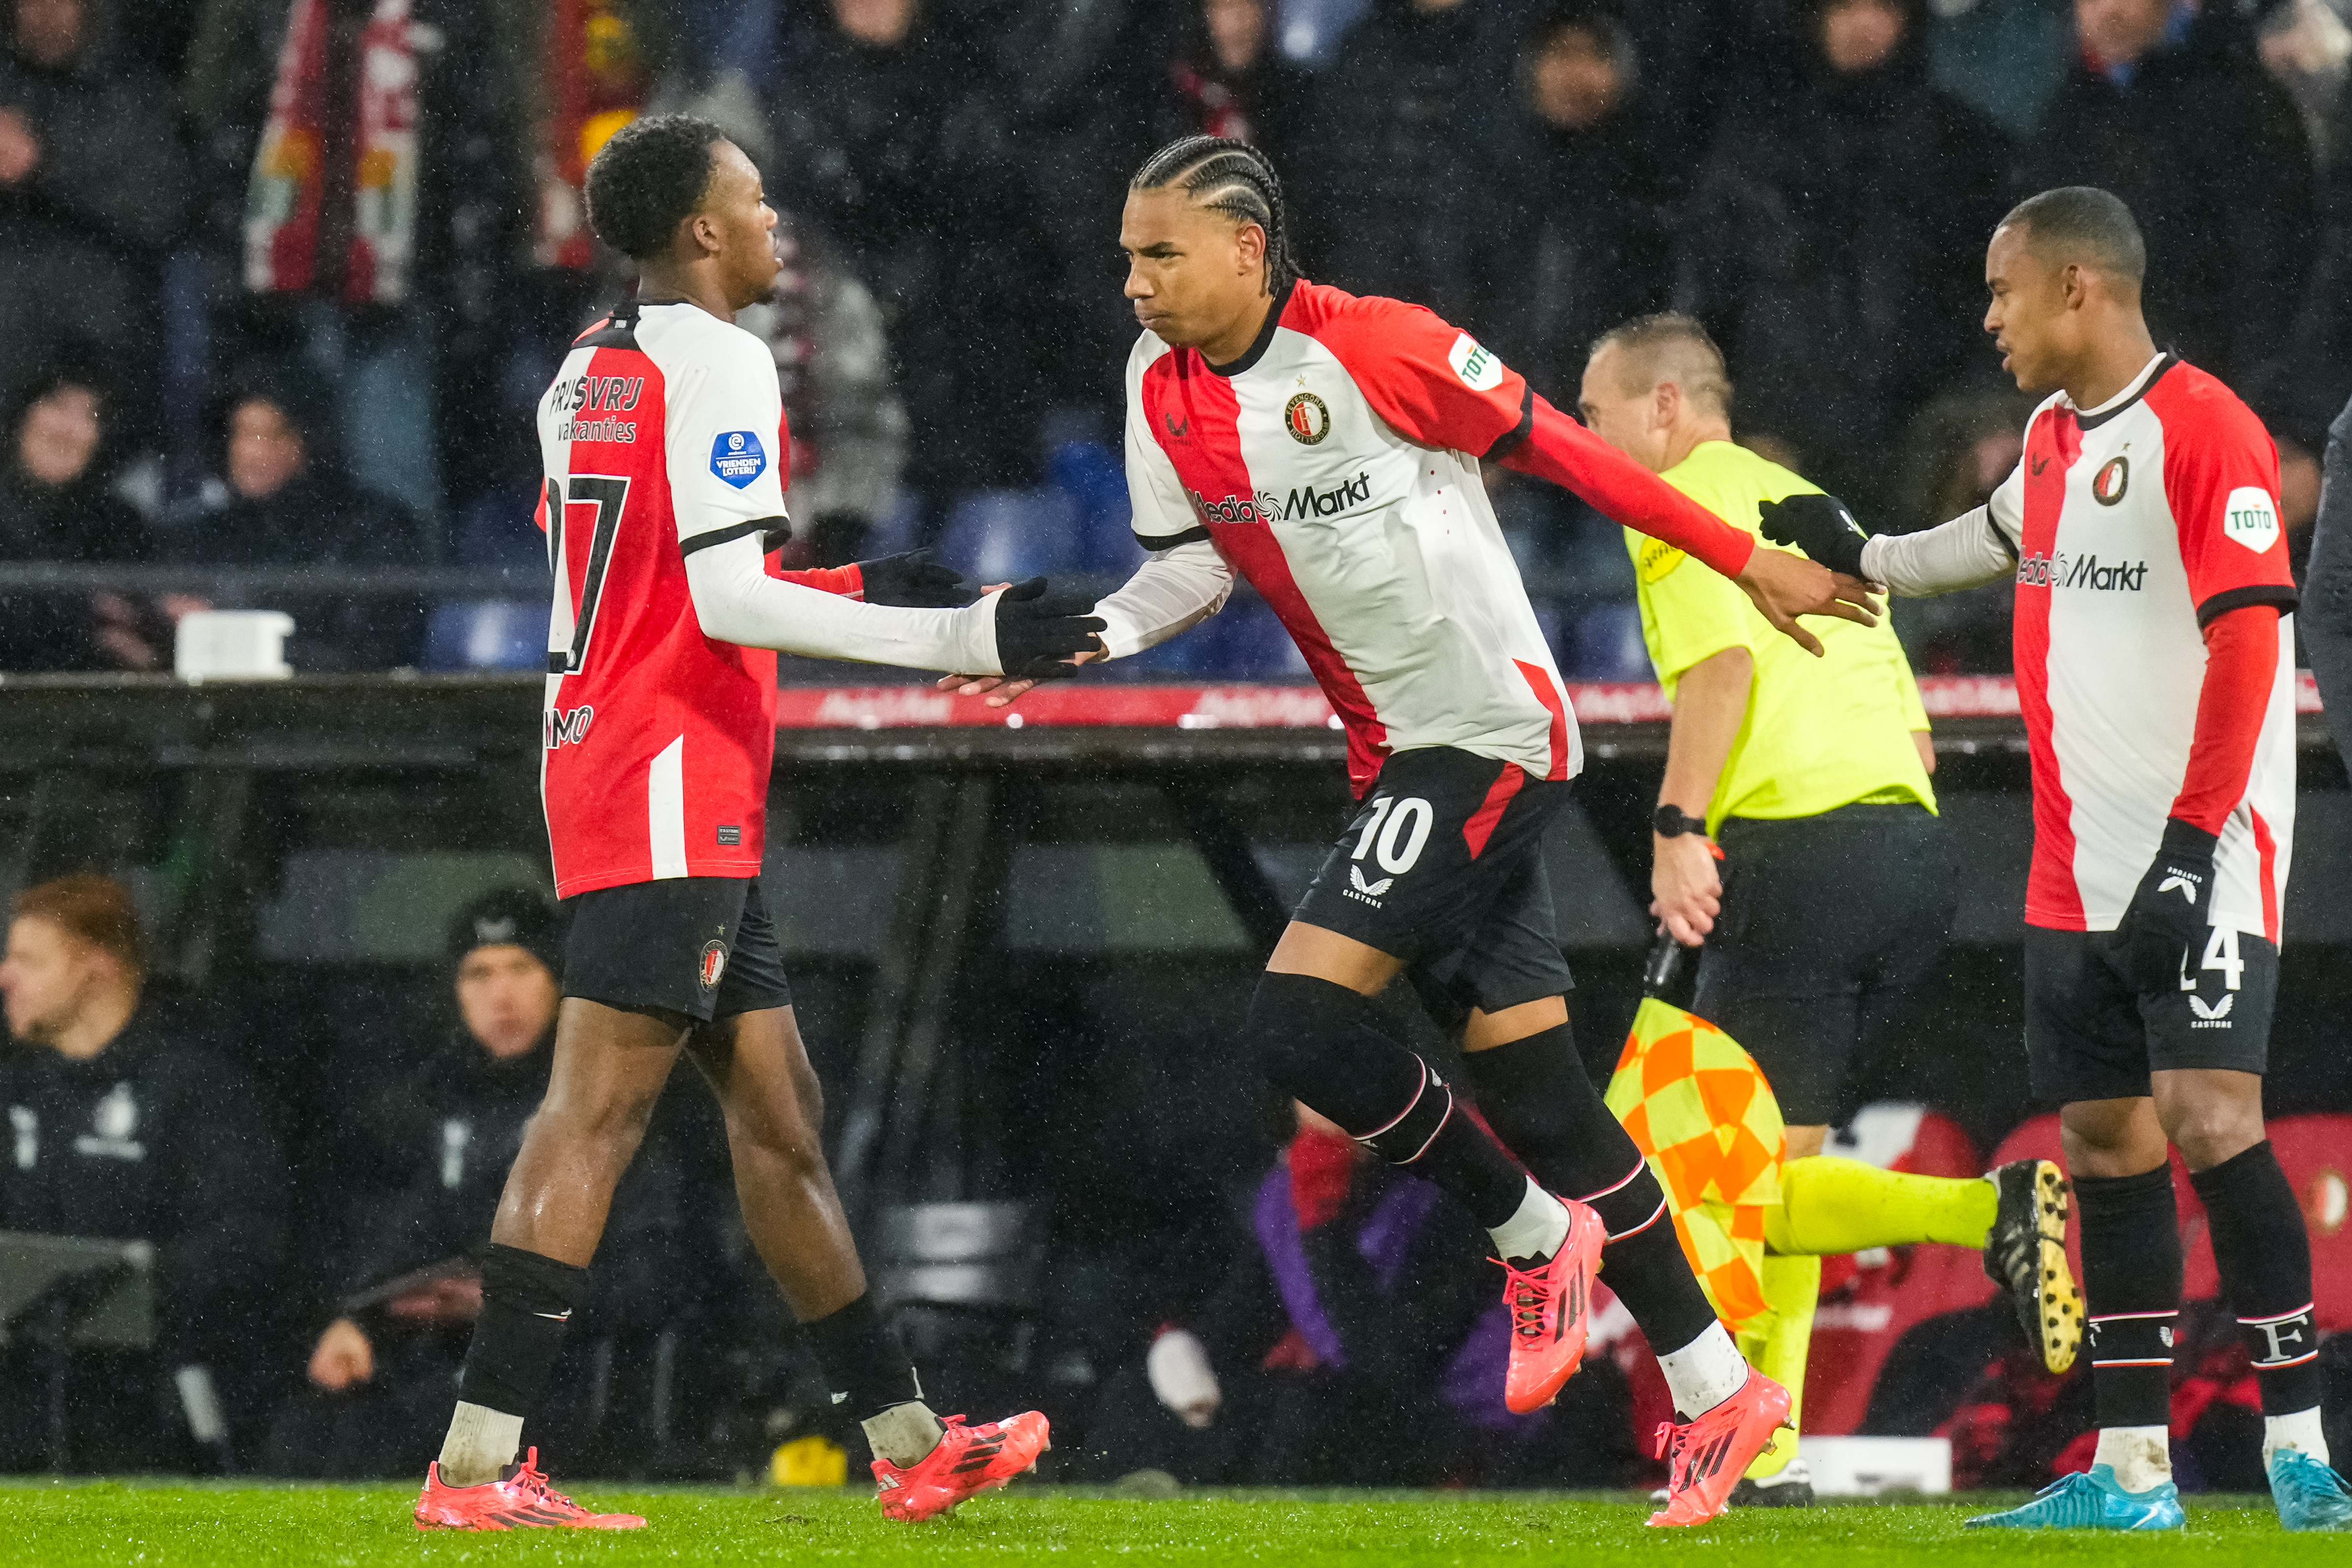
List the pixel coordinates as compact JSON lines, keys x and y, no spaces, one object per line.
{"x":1125,"y":853}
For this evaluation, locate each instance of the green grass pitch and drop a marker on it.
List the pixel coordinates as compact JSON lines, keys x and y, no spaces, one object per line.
{"x":68,"y":1524}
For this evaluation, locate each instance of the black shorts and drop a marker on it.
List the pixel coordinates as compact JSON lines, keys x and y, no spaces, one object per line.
{"x":1829,"y":925}
{"x":698,"y":945}
{"x":1442,"y":866}
{"x":2092,"y":1034}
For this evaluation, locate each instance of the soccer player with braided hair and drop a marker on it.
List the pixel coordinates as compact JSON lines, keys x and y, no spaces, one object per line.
{"x":664,"y":452}
{"x":1328,"y":448}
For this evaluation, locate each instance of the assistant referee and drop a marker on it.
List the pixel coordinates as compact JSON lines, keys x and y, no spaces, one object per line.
{"x":1835,"y":891}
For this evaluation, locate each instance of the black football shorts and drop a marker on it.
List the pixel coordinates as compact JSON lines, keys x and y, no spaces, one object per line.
{"x":702,"y":946}
{"x":2092,"y":1034}
{"x":1442,"y":866}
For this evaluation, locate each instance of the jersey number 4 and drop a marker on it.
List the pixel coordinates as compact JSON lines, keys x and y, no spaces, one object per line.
{"x":608,"y":496}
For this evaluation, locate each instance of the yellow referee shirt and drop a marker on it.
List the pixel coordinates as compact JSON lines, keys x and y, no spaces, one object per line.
{"x":1820,"y":732}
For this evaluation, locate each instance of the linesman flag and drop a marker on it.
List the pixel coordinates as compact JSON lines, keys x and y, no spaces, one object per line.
{"x":1698,"y":1106}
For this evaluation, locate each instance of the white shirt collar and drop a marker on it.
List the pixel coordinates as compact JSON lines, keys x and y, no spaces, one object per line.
{"x":2132,"y":389}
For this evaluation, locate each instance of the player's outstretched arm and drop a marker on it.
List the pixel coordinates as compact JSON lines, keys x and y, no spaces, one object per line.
{"x":1027,"y":630}
{"x":1558,"y":449}
{"x":1175,"y":589}
{"x":1968,"y":551}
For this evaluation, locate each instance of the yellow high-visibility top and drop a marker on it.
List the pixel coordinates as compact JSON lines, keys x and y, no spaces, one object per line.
{"x":1820,"y":732}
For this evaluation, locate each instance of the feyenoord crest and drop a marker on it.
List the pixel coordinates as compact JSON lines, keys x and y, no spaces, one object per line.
{"x":1307,"y":418}
{"x":2108,"y":484}
{"x":714,"y":964}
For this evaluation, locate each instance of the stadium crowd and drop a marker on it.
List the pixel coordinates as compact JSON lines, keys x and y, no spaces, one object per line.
{"x":286,"y":276}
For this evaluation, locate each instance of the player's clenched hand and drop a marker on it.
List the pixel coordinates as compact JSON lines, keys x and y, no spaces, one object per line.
{"x":1819,"y":525}
{"x":343,"y":1357}
{"x":917,"y":580}
{"x":2170,"y":909}
{"x":1183,"y":1379}
{"x":1785,"y":586}
{"x":1039,"y":629}
{"x":1686,"y":890}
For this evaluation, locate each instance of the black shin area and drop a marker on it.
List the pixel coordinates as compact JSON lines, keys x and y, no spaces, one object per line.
{"x":1322,"y":1044}
{"x":2265,"y":1255}
{"x":864,"y":1366}
{"x":2131,"y":1287}
{"x":1537,"y":1096}
{"x":527,"y":1301}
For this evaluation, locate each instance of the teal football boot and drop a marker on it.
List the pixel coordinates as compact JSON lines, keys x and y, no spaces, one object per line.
{"x":2309,"y":1495}
{"x":2092,"y":1501}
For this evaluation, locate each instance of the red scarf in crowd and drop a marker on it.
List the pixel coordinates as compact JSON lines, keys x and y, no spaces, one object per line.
{"x":1215,"y":107}
{"x":286,"y":213}
{"x":596,"y":84}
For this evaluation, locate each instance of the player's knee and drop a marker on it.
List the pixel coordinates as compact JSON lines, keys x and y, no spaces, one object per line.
{"x":1297,"y":1030}
{"x":2208,"y":1135}
{"x":607,"y":1128}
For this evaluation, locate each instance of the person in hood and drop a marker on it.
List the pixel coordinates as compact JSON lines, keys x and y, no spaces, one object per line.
{"x":284,"y":498}
{"x":382,"y":1372}
{"x":56,"y":505}
{"x":1831,"y":247}
{"x":120,"y":1126}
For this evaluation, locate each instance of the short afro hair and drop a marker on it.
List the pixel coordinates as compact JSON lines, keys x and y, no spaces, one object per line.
{"x":2083,"y":223}
{"x":647,"y":180}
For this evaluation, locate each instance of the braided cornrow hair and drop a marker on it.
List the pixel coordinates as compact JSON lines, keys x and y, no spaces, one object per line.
{"x":1234,"y":178}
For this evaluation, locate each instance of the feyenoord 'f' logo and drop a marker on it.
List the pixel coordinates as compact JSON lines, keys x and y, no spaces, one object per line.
{"x":2108,"y":484}
{"x":1307,"y":418}
{"x":714,"y":964}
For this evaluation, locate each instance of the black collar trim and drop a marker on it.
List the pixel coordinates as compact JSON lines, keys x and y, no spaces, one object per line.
{"x":2165,"y":362}
{"x":1264,"y":338}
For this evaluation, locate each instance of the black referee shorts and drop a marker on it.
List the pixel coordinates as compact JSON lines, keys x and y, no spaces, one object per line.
{"x":1829,"y":925}
{"x":1442,"y":866}
{"x":702,"y":946}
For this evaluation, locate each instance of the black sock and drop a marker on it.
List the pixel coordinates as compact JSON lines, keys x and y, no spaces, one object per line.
{"x":2131,"y":1289}
{"x":527,"y":1303}
{"x":1537,"y":1096}
{"x":864,"y":1366}
{"x":1323,"y":1045}
{"x":2265,"y":1257}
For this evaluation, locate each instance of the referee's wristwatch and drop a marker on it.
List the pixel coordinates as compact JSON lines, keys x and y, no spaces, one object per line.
{"x":1673,"y":822}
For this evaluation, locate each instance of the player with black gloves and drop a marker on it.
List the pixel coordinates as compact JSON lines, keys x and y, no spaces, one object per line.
{"x":2155,"y":673}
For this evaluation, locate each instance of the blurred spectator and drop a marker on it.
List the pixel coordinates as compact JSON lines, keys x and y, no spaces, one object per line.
{"x":382,"y":1373}
{"x":849,"y":429}
{"x":283,"y":499}
{"x":368,"y":166}
{"x":2004,"y":58}
{"x":2169,"y":108}
{"x":93,"y":186}
{"x":2306,"y":47}
{"x":1225,"y":78}
{"x":1356,"y":1343}
{"x":1569,"y":237}
{"x":1958,"y":452}
{"x":1385,"y":194}
{"x":55,"y":506}
{"x":2313,"y":376}
{"x":892,"y":141}
{"x":121,"y":1127}
{"x":1836,"y":245}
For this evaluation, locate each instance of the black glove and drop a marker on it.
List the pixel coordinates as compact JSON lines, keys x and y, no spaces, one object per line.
{"x":1820,"y":526}
{"x":2169,"y":910}
{"x":1037,"y":630}
{"x":916,"y":580}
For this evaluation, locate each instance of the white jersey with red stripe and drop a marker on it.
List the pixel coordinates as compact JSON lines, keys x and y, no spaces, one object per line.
{"x":662,"y":434}
{"x":2135,"y":524}
{"x":1336,"y":467}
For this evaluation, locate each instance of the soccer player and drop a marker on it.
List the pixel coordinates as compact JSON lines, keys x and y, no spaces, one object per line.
{"x":665,"y":454}
{"x":1327,"y":447}
{"x":2155,"y":672}
{"x":1806,"y":782}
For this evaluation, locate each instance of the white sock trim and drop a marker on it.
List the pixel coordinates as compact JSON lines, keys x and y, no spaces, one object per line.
{"x":2296,"y":1429}
{"x":1419,"y":1089}
{"x":1703,"y":1373}
{"x":903,"y":1434}
{"x":480,"y":1443}
{"x":1537,"y":1228}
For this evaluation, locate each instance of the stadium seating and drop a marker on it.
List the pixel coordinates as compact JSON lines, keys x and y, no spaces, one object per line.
{"x":2317,"y":1152}
{"x":485,"y":633}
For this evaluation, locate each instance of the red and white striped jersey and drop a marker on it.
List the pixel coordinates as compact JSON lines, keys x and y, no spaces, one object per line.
{"x":662,"y":434}
{"x":1337,"y":468}
{"x":2135,"y":524}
